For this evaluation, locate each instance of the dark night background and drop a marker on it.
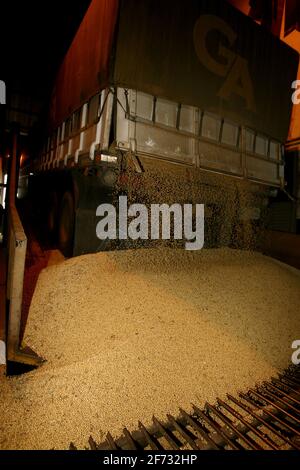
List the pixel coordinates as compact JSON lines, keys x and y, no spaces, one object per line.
{"x":34,"y":37}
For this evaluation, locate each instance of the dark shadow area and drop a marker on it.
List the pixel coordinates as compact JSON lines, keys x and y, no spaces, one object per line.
{"x":15,"y":368}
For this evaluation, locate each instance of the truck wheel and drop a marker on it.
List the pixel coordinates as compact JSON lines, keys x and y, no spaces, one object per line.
{"x":66,"y":225}
{"x":53,"y":213}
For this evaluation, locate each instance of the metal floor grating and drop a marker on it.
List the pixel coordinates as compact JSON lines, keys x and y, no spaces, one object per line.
{"x":267,"y":417}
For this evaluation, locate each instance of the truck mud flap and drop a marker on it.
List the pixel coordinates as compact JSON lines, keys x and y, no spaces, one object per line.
{"x":90,"y":194}
{"x":85,"y":239}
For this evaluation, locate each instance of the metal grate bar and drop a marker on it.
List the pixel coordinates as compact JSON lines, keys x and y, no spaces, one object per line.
{"x":288,"y":387}
{"x":262,"y":421}
{"x":255,"y":431}
{"x":198,"y":428}
{"x":166,"y":434}
{"x":131,"y":444}
{"x":216,"y":428}
{"x":276,"y":418}
{"x":181,"y":431}
{"x":111,"y":442}
{"x":148,"y":438}
{"x":282,"y":410}
{"x":235,"y":430}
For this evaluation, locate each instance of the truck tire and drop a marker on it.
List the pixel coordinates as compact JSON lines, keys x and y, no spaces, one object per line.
{"x":53,"y":216}
{"x":66,"y":225}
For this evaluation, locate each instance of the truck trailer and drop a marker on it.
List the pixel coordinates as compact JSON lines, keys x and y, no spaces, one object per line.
{"x":193,"y":96}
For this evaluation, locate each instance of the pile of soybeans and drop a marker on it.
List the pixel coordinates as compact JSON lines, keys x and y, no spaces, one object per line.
{"x":129,"y":334}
